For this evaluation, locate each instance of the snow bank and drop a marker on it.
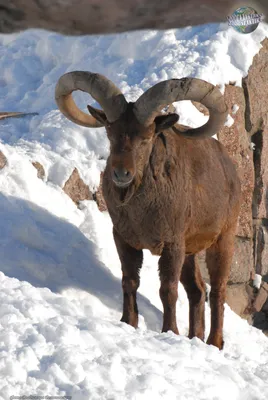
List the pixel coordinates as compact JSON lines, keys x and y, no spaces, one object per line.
{"x":60,"y":275}
{"x":52,"y":346}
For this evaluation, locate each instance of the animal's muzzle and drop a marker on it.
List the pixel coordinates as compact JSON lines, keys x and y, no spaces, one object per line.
{"x":122,"y":177}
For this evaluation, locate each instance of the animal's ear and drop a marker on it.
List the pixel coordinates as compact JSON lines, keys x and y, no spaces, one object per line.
{"x":163,"y":122}
{"x":98,"y":114}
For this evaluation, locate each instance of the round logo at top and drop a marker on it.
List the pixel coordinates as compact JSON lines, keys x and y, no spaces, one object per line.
{"x":245,"y":19}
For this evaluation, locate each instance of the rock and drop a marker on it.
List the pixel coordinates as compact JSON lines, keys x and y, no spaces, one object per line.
{"x":261,"y":298}
{"x":260,"y":321}
{"x":237,"y":143}
{"x":239,"y":293}
{"x":242,"y":264}
{"x":76,"y":189}
{"x":239,"y":297}
{"x":261,"y":249}
{"x":265,"y":308}
{"x":40,"y":169}
{"x":105,"y":16}
{"x":256,"y":93}
{"x":201,"y":108}
{"x":256,"y":118}
{"x":256,"y":90}
{"x":260,"y":198}
{"x":3,"y":160}
{"x":98,"y":196}
{"x":261,"y":317}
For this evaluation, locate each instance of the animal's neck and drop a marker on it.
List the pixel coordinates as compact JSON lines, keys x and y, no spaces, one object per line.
{"x":124,"y":195}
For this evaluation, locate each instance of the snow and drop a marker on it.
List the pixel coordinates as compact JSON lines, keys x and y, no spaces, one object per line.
{"x":235,"y":108}
{"x":59,"y":345}
{"x":257,"y":281}
{"x":60,"y":329}
{"x":229,"y":121}
{"x":252,"y":146}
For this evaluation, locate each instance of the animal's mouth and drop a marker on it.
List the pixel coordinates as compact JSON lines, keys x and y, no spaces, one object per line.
{"x":122,"y":185}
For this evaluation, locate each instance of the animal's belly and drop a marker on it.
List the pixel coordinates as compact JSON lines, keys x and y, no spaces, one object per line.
{"x":146,"y":233}
{"x":150,"y":226}
{"x":200,"y":241}
{"x":194,"y":244}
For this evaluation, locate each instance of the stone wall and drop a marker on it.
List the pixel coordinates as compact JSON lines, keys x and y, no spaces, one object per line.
{"x":255,"y":87}
{"x":246,"y":140}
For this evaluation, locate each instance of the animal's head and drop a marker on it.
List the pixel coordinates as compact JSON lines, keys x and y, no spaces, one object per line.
{"x":133,"y":127}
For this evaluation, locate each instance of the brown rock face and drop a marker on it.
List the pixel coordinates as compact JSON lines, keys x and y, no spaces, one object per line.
{"x":40,"y":169}
{"x":242,"y":264}
{"x":3,"y":160}
{"x":261,"y":297}
{"x":261,"y":307}
{"x":76,"y":189}
{"x":256,"y":92}
{"x":256,"y":118}
{"x":260,"y":198}
{"x":238,"y":297}
{"x":107,"y":16}
{"x":261,"y":249}
{"x":237,"y":143}
{"x":98,"y":196}
{"x":201,"y":108}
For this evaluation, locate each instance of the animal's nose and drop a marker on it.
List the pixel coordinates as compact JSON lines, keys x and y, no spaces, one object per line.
{"x":122,"y":176}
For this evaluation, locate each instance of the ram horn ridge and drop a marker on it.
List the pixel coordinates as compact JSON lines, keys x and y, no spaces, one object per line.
{"x":99,"y":87}
{"x":151,"y":103}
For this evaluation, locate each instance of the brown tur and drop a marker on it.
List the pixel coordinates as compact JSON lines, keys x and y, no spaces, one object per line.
{"x":168,"y":188}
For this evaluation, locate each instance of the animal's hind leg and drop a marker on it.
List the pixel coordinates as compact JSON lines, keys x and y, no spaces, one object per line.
{"x":195,"y":287}
{"x":219,"y":258}
{"x":131,"y":262}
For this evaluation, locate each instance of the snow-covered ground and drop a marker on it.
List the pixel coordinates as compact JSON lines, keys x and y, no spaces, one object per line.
{"x":60,"y":297}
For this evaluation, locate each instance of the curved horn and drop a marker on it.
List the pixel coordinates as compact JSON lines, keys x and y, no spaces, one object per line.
{"x":150,"y":103}
{"x":100,"y":88}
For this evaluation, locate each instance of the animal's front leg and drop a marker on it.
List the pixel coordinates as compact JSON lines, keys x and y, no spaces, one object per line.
{"x":170,"y":266}
{"x":131,"y":262}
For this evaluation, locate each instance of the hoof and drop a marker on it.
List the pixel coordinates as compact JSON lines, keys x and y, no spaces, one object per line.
{"x":130,"y":321}
{"x":216,"y":341}
{"x":174,"y":330}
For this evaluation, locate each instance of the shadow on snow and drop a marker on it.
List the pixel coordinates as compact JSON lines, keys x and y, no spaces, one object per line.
{"x":38,"y":247}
